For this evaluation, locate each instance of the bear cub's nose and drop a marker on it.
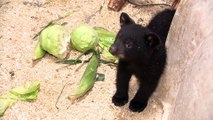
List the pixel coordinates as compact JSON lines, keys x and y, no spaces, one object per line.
{"x":113,"y":50}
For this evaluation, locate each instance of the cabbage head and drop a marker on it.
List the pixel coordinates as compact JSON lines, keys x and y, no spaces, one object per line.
{"x":83,"y":38}
{"x":55,"y":40}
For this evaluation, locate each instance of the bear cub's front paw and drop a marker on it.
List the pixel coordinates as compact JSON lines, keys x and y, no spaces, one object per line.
{"x":137,"y":106}
{"x":119,"y":101}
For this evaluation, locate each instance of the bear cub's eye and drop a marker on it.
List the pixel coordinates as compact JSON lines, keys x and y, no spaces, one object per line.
{"x":128,"y":44}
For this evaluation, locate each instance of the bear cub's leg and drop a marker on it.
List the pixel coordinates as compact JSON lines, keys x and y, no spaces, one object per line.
{"x":120,"y":97}
{"x":140,"y":101}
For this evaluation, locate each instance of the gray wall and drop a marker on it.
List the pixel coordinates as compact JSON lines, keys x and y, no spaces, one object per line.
{"x":187,"y":84}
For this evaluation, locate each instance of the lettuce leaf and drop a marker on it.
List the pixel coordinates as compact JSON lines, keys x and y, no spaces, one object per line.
{"x":28,"y":91}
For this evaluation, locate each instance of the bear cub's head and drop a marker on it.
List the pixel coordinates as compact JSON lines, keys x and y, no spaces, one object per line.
{"x":134,"y":42}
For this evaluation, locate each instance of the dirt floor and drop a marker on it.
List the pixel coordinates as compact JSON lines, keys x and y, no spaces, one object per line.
{"x":20,"y":20}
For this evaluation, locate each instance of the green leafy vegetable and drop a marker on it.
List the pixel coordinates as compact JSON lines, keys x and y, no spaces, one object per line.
{"x":54,"y":39}
{"x":27,"y":91}
{"x":4,"y":104}
{"x":83,"y":38}
{"x":106,"y":39}
{"x":89,"y":77}
{"x":39,"y":52}
{"x":107,"y":56}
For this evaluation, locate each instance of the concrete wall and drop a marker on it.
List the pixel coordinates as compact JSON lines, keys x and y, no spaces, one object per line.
{"x":187,"y":84}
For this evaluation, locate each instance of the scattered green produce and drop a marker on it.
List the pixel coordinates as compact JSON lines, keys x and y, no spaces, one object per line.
{"x":106,"y":39}
{"x":83,"y":38}
{"x":54,"y":39}
{"x":89,"y":77}
{"x":25,"y":92}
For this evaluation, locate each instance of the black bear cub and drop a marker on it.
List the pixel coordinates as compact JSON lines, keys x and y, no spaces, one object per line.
{"x":141,"y":51}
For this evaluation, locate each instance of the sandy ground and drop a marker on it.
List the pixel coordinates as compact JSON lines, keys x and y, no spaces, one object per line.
{"x":20,"y":20}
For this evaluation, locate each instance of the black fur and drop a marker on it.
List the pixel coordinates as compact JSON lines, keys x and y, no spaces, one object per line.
{"x":160,"y":24}
{"x":141,"y":51}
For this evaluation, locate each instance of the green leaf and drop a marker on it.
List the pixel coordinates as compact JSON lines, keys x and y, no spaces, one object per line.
{"x":106,"y":39}
{"x":38,"y":52}
{"x":89,"y":77}
{"x":4,"y":104}
{"x":27,"y":91}
{"x":29,"y":96}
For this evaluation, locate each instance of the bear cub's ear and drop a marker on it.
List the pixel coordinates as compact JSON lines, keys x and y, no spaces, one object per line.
{"x":152,"y":40}
{"x":125,"y":19}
